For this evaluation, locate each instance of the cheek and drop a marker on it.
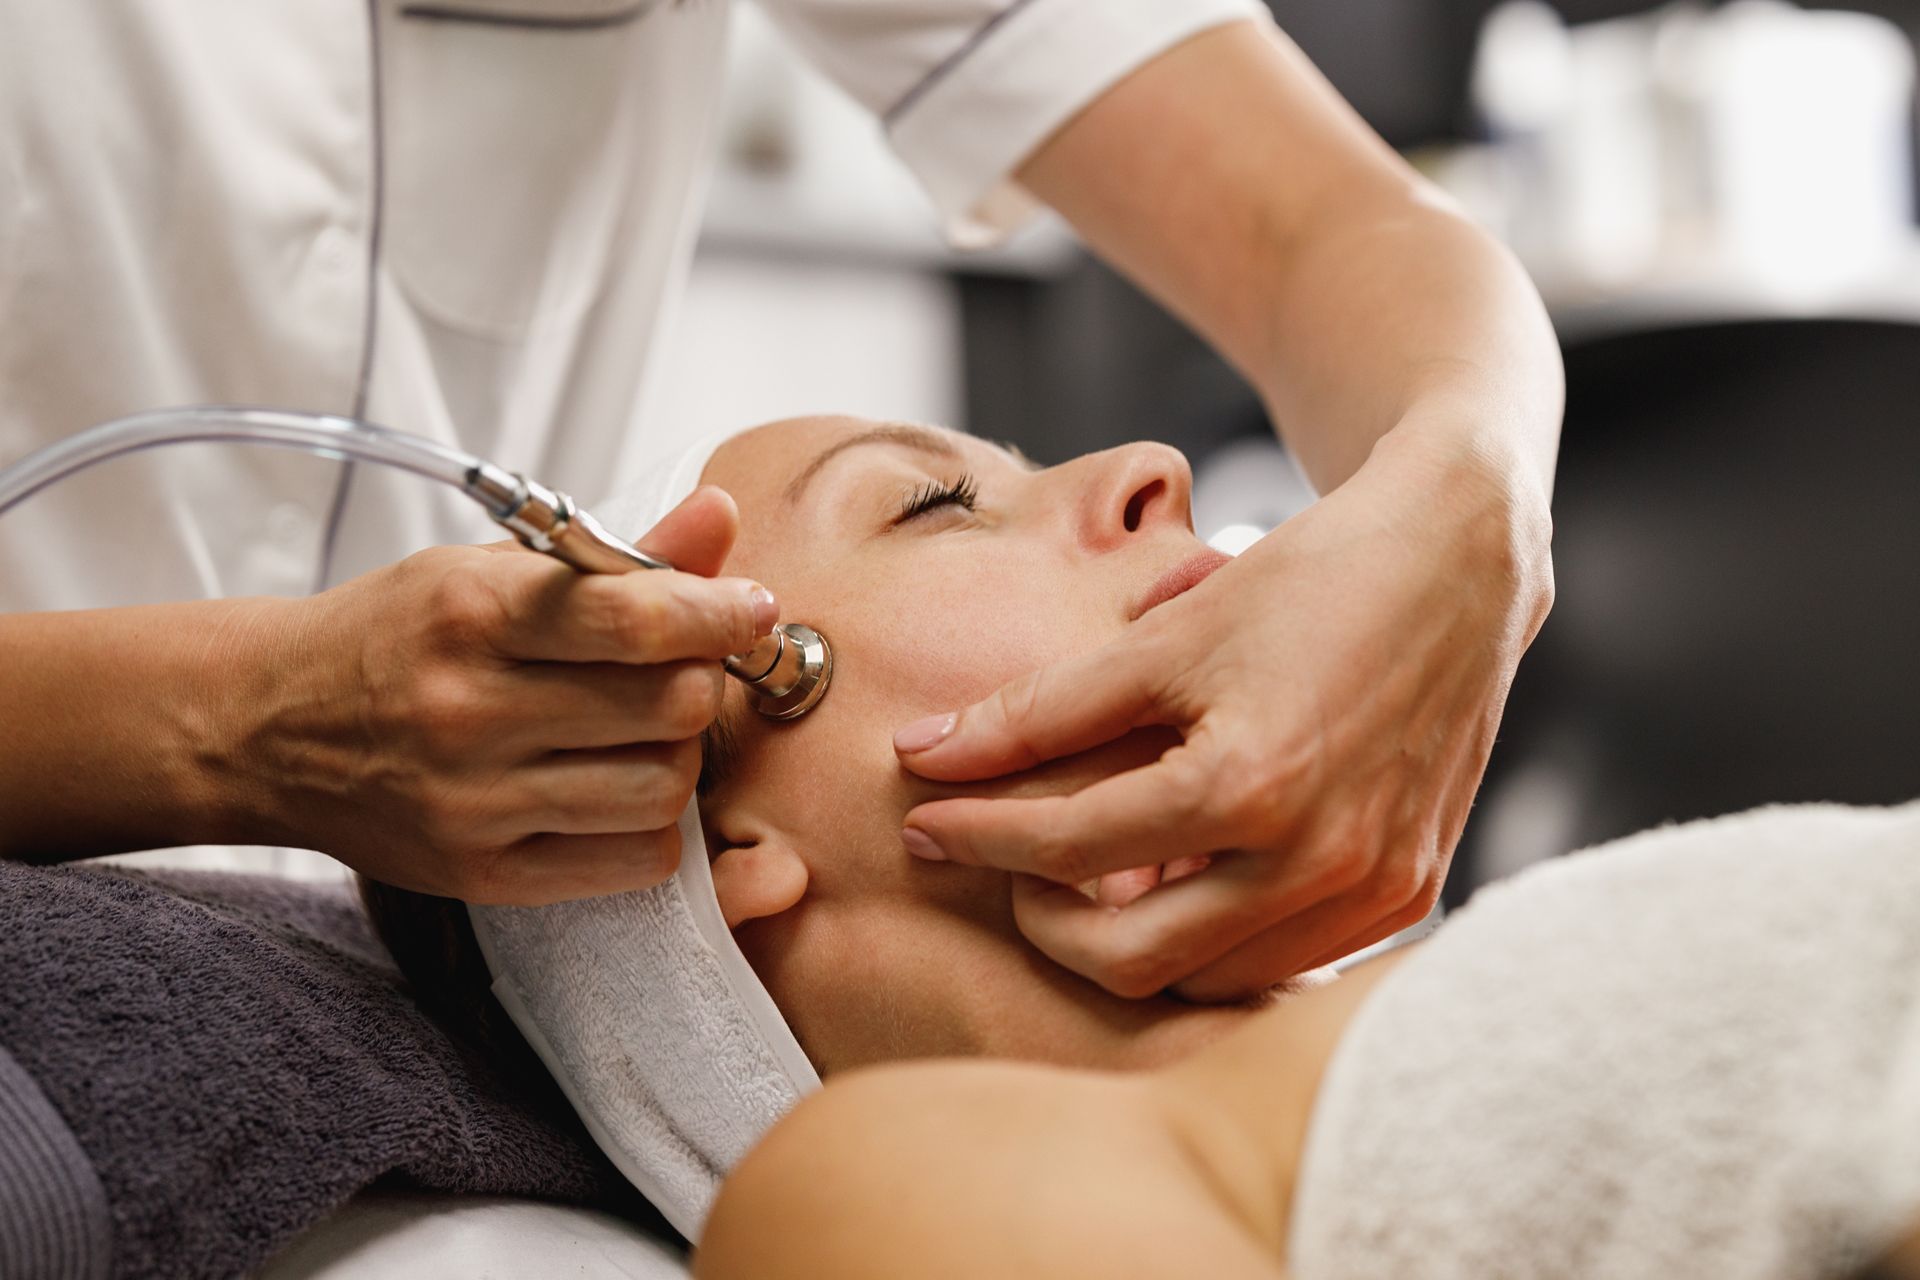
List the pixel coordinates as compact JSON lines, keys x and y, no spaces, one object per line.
{"x":940,"y":640}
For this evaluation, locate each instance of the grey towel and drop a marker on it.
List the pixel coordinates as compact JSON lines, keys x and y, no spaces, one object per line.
{"x":236,"y":1057}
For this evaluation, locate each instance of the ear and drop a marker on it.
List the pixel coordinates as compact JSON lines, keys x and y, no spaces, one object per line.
{"x":753,"y":881}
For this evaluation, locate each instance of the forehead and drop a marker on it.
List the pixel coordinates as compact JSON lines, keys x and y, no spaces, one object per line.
{"x":770,"y":469}
{"x":766,"y":460}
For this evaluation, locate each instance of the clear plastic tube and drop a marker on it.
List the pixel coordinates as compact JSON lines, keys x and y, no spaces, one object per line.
{"x":787,"y":671}
{"x":319,"y":433}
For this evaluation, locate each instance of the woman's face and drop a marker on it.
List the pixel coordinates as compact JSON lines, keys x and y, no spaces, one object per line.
{"x":939,"y":567}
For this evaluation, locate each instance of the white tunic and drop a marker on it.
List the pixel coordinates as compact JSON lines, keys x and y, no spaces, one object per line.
{"x":463,"y":219}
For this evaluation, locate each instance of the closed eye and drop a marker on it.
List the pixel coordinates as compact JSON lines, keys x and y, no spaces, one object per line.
{"x":963,"y":492}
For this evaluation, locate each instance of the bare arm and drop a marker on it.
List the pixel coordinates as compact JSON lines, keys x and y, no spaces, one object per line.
{"x":968,"y":1170}
{"x":1231,"y":181}
{"x":113,"y":728}
{"x":1337,"y":688}
{"x":481,"y":723}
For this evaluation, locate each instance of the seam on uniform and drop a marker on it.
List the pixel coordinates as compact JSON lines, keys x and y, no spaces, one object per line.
{"x":370,"y":321}
{"x":946,"y":65}
{"x":530,"y":21}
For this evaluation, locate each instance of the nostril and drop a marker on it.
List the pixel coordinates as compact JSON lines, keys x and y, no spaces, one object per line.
{"x":1137,"y":505}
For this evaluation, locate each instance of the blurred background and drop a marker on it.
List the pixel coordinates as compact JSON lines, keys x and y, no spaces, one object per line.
{"x":1718,"y":202}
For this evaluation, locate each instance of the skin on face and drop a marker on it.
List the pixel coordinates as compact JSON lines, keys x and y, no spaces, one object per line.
{"x":874,"y":955}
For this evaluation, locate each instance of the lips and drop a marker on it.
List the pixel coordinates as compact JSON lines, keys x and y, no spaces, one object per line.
{"x":1180,"y":579}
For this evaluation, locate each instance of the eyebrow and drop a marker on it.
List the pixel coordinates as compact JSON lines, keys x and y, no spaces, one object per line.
{"x":904,"y":435}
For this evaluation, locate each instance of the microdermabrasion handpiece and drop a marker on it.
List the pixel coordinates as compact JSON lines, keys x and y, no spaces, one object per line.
{"x":786,"y":673}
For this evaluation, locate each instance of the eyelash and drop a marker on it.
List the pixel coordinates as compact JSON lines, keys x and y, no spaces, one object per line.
{"x":933,"y":495}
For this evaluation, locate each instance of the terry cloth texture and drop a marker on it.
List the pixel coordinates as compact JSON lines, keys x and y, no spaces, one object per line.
{"x":1694,"y":1052}
{"x":641,"y":1004}
{"x":236,"y":1057}
{"x":53,"y":1212}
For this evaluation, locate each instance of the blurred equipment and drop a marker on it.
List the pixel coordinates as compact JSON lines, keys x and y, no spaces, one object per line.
{"x":1759,"y":142}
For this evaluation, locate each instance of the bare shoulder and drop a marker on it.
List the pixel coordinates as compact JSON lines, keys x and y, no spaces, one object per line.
{"x":965,"y":1169}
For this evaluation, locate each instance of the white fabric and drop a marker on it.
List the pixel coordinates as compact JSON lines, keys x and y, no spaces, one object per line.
{"x":197,"y":202}
{"x":413,"y":1236}
{"x":968,"y":90}
{"x":1695,"y":1052}
{"x":641,"y":1005}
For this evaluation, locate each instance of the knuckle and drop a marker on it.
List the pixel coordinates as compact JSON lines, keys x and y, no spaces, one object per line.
{"x":1195,"y":794}
{"x":1401,"y":884}
{"x":461,"y":603}
{"x":637,"y":619}
{"x":657,"y":853}
{"x":1014,"y":708}
{"x":444,"y":711}
{"x":1135,"y":975}
{"x":673,"y":789}
{"x":445,"y":826}
{"x":486,"y":877}
{"x":1413,"y":887}
{"x":689,"y":701}
{"x":1251,"y":786}
{"x":733,"y":614}
{"x":1062,"y":856}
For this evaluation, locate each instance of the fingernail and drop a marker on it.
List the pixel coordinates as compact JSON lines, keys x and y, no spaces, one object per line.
{"x":922,"y":845}
{"x":922,"y":734}
{"x":766,"y":610}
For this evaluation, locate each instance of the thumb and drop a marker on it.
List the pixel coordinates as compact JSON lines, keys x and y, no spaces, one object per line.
{"x":695,"y":536}
{"x":1061,"y":710}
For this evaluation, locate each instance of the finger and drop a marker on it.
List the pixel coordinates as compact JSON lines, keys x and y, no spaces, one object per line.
{"x":648,"y":616}
{"x":1177,"y":930}
{"x":1413,"y":914}
{"x":1142,"y":817}
{"x":1118,"y":888}
{"x":1323,"y":933}
{"x":1057,"y":711}
{"x":549,"y":867}
{"x":695,"y":536}
{"x":636,"y":788}
{"x":1181,"y":868}
{"x":579,"y":706}
{"x":1144,"y":947}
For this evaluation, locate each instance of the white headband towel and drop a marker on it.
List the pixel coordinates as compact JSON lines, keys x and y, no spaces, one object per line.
{"x":641,"y":1005}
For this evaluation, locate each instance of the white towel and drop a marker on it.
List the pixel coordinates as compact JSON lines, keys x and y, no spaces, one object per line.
{"x":641,"y":1005}
{"x":1695,"y":1052}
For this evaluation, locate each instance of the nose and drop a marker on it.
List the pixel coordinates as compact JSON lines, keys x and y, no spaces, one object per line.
{"x":1134,"y":489}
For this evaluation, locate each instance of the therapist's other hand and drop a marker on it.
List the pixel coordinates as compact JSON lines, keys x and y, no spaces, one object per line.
{"x":485,"y":723}
{"x":1337,"y":687}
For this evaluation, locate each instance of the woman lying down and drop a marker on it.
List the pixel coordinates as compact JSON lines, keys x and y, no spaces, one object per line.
{"x":1694,"y":1052}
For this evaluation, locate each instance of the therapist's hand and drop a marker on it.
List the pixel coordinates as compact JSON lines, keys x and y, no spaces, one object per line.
{"x":485,"y":723}
{"x":1337,"y":686}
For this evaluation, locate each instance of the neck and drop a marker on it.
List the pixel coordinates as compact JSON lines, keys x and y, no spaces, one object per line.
{"x":1077,"y":1024}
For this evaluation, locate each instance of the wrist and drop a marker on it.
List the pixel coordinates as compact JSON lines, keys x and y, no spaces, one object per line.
{"x":230,"y":728}
{"x":117,"y":729}
{"x":1480,"y":494}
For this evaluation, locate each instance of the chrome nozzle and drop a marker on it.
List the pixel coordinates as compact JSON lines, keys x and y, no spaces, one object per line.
{"x":786,"y":673}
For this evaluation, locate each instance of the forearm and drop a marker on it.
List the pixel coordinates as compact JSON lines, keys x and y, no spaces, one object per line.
{"x":1401,"y":317}
{"x":1229,"y":180}
{"x":114,"y":727}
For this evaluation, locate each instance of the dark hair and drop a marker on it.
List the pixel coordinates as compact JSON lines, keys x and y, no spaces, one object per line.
{"x":431,"y":940}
